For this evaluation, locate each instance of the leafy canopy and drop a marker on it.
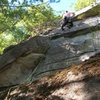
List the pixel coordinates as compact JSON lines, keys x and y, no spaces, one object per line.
{"x":17,"y":22}
{"x":83,"y":3}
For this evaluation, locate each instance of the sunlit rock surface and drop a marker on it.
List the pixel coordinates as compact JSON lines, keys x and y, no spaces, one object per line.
{"x":65,"y":52}
{"x":36,"y":65}
{"x":17,"y":63}
{"x":50,"y":52}
{"x":87,"y":25}
{"x":64,"y":48}
{"x":80,"y":82}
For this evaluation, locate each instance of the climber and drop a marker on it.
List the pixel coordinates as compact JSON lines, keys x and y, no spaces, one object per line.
{"x":67,"y":20}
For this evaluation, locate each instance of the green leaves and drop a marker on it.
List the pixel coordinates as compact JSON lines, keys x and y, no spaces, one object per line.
{"x":6,"y":40}
{"x":18,"y":23}
{"x":83,"y":3}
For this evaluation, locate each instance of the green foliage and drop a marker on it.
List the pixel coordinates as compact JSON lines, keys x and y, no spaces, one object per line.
{"x":6,"y":40}
{"x":83,"y":3}
{"x":17,"y":23}
{"x":92,"y":12}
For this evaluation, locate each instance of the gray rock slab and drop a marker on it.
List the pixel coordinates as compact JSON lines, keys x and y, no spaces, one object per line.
{"x":78,"y":26}
{"x":65,"y":52}
{"x":37,"y":44}
{"x":19,"y":71}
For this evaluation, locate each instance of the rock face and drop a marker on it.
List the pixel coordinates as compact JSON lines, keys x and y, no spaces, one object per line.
{"x":17,"y":63}
{"x":66,"y":51}
{"x":51,"y":51}
{"x":47,"y":54}
{"x":80,"y":27}
{"x":37,"y":44}
{"x":80,"y":82}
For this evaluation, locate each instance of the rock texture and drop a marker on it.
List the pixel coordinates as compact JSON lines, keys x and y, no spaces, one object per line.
{"x":80,"y":82}
{"x":86,"y":26}
{"x":17,"y":63}
{"x":37,"y":44}
{"x":76,"y":51}
{"x":70,"y":48}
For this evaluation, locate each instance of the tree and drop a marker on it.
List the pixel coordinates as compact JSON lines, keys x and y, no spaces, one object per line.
{"x":83,"y":3}
{"x":27,"y":2}
{"x":17,"y":22}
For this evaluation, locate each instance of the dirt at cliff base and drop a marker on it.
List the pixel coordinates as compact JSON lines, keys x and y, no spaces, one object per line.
{"x":52,"y":87}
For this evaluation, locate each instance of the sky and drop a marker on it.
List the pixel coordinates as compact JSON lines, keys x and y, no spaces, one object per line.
{"x":64,"y":5}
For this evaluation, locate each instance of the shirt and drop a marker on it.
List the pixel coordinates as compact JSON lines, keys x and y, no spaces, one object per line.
{"x":66,"y":15}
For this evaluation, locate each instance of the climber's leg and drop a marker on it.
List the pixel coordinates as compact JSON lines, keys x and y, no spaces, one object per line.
{"x":64,"y":23}
{"x":70,"y":23}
